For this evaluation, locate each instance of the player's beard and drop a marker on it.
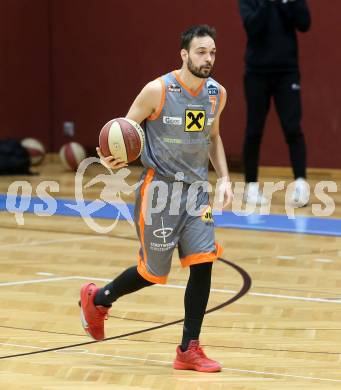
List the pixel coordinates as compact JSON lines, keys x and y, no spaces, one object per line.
{"x":201,"y":71}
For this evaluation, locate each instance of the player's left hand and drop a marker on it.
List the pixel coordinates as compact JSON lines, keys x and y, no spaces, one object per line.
{"x":224,"y":188}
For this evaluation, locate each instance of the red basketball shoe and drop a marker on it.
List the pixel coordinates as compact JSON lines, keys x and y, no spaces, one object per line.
{"x":194,"y":359}
{"x":92,"y":317}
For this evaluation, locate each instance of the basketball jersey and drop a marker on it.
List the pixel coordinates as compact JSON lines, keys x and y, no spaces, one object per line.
{"x":178,"y":134}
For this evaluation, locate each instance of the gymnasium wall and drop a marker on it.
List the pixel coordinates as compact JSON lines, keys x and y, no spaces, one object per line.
{"x":25,"y":70}
{"x":85,"y":60}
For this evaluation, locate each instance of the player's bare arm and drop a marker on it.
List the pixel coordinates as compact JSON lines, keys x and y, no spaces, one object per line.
{"x":217,"y":154}
{"x":146,"y":103}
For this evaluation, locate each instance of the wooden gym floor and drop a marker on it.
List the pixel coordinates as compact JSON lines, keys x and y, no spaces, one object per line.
{"x":285,"y":333}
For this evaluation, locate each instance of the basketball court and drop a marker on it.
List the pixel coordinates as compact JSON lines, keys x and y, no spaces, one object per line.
{"x":274,"y":309}
{"x":76,"y":75}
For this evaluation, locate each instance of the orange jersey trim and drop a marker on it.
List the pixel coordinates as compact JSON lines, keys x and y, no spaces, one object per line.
{"x":142,"y":270}
{"x":219,"y":250}
{"x":157,"y":113}
{"x":147,"y":180}
{"x":141,"y":267}
{"x":192,"y":93}
{"x":198,"y":258}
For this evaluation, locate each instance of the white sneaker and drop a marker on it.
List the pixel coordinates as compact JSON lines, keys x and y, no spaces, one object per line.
{"x":301,"y":194}
{"x":253,"y":196}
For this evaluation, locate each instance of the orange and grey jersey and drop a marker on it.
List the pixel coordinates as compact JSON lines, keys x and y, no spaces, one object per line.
{"x":178,"y":133}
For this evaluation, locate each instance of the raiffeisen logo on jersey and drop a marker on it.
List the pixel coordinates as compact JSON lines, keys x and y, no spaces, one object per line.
{"x":195,"y":120}
{"x":172,"y":120}
{"x":212,"y":90}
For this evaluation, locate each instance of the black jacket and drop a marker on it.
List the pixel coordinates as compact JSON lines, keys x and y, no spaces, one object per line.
{"x":271,"y":29}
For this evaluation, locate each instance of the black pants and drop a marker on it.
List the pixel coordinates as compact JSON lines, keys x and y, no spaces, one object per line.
{"x":196,"y":296}
{"x":284,"y":87}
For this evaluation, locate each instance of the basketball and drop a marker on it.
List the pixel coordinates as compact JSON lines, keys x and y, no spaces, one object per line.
{"x":35,"y":149}
{"x":122,"y":138}
{"x":71,"y":155}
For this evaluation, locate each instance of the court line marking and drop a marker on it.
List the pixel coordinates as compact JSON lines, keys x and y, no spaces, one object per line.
{"x":33,"y":281}
{"x":286,"y":257}
{"x":255,"y":294}
{"x":324,"y":260}
{"x":146,"y":360}
{"x":33,"y":243}
{"x":44,"y":274}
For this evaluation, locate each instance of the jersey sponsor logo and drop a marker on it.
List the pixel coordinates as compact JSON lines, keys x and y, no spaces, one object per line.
{"x":212,"y":90}
{"x":174,"y":88}
{"x":172,"y":120}
{"x":161,"y":247}
{"x":195,"y":106}
{"x":172,"y":140}
{"x":200,"y":141}
{"x":210,"y":121}
{"x":164,"y":232}
{"x":207,"y":215}
{"x":195,"y":120}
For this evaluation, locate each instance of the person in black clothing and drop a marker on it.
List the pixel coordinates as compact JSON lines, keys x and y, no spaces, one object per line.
{"x":272,"y":71}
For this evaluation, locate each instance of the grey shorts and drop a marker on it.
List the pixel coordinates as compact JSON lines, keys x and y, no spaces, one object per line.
{"x":169,"y":214}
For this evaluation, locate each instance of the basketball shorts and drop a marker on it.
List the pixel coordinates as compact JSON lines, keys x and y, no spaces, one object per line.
{"x":170,"y":214}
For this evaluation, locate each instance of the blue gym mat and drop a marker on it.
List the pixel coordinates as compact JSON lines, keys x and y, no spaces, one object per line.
{"x":99,"y":209}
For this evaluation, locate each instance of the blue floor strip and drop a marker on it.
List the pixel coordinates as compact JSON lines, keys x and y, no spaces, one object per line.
{"x":99,"y":209}
{"x":280,"y":223}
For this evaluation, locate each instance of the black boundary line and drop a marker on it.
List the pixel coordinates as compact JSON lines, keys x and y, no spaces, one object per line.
{"x":41,"y":331}
{"x":241,"y":348}
{"x":209,"y":326}
{"x":160,"y":322}
{"x":245,"y":288}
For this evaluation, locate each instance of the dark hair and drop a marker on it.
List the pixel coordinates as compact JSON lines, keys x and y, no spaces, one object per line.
{"x":200,"y":30}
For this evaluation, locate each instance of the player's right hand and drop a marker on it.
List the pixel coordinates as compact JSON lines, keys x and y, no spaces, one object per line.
{"x":111,"y":162}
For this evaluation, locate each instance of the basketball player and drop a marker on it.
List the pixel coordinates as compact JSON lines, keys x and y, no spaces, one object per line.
{"x":181,"y":111}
